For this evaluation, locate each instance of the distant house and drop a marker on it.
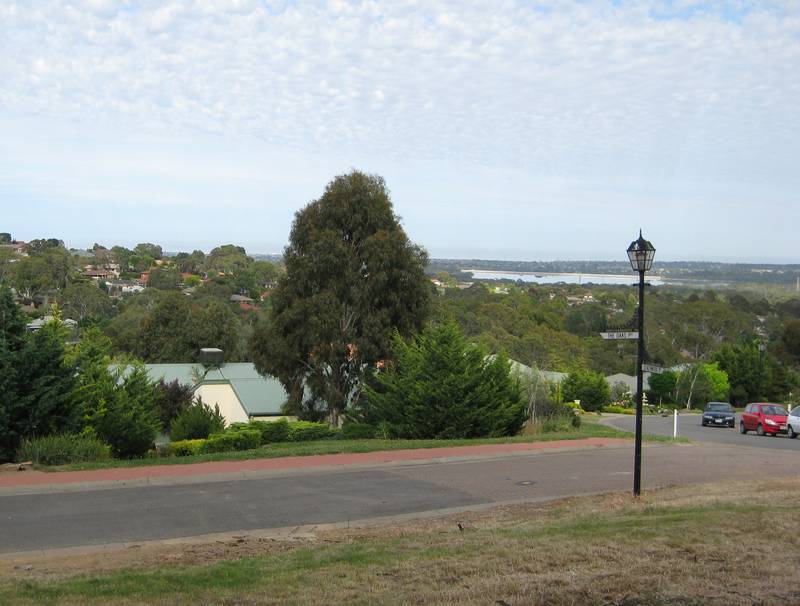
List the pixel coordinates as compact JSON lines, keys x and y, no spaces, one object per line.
{"x":243,"y":302}
{"x":521,"y":370}
{"x":17,"y":246}
{"x":240,"y":299}
{"x":629,"y":381}
{"x":240,"y":392}
{"x":99,"y":275}
{"x":124,"y":287}
{"x":38,"y":323}
{"x":580,"y":299}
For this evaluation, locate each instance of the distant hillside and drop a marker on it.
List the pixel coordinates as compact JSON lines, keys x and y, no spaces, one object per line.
{"x":672,"y":271}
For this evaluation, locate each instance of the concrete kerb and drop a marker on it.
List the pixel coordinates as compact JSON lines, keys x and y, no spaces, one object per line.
{"x":253,"y":474}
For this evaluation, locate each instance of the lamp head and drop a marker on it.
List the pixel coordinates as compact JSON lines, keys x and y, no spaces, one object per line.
{"x":641,"y":253}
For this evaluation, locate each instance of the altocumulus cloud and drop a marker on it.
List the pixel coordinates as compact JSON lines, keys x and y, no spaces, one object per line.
{"x":489,"y":81}
{"x":582,"y":92}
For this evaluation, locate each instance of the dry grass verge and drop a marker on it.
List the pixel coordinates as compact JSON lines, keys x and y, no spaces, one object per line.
{"x":722,"y":544}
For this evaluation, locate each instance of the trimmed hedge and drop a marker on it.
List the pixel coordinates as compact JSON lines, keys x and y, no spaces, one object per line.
{"x":185,"y":448}
{"x":236,"y":439}
{"x":619,"y":409}
{"x":306,"y":431}
{"x":286,"y":431}
{"x":63,"y":449}
{"x":273,"y":431}
{"x":352,"y":430}
{"x":247,"y":436}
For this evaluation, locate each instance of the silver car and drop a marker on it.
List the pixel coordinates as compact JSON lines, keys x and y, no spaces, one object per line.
{"x":793,"y":422}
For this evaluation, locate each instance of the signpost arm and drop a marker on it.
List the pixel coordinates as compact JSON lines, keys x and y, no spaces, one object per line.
{"x":637,"y":456}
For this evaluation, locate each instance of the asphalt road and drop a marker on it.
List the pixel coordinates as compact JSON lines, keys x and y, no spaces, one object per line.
{"x":689,"y":427}
{"x":126,"y":515}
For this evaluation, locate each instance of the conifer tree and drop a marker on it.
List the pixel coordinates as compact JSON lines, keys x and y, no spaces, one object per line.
{"x":440,"y":386}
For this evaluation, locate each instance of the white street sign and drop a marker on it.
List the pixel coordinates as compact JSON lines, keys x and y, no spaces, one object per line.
{"x":652,"y":368}
{"x":620,"y":335}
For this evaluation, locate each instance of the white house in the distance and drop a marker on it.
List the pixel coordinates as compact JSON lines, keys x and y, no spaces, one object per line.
{"x":240,"y":392}
{"x":38,"y":323}
{"x":556,"y":377}
{"x":629,"y":381}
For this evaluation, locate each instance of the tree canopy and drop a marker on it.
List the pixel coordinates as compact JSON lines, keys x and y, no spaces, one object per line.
{"x":82,"y":300}
{"x":352,"y":278}
{"x":146,"y":249}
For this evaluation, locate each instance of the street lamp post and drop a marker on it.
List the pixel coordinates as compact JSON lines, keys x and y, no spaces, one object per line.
{"x":640,"y":254}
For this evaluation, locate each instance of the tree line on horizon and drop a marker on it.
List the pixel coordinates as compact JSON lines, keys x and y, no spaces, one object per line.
{"x":327,"y":321}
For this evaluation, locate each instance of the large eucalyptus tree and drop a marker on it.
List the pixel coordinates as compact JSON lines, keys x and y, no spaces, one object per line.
{"x":352,"y":278}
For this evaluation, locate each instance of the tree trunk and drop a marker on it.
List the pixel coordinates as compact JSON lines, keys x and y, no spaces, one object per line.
{"x":334,"y":417}
{"x":691,"y":388}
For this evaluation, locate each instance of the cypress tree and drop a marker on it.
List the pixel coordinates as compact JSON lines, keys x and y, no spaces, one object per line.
{"x":440,"y":386}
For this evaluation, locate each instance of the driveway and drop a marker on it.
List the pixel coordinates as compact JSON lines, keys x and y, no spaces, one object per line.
{"x":689,"y":427}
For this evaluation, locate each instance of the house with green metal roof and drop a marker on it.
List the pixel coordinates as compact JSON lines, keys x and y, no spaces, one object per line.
{"x":240,"y":392}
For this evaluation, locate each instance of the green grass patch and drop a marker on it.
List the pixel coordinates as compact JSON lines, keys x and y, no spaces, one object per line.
{"x":336,"y":571}
{"x":321,"y":447}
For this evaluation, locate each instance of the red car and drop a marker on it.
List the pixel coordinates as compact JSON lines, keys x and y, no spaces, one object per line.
{"x":764,"y":419}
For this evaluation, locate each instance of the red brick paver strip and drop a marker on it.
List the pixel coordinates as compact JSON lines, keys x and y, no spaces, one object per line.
{"x":39,"y":478}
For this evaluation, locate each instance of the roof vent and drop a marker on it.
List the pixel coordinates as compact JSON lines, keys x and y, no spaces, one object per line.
{"x":211,"y":357}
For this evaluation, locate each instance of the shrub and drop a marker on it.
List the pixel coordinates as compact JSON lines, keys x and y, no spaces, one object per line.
{"x":553,"y":410}
{"x":558,"y":424}
{"x":128,"y":420}
{"x":63,"y":449}
{"x":128,"y":426}
{"x":305,"y":431}
{"x":575,"y":406}
{"x":197,"y":422}
{"x":185,"y":448}
{"x":352,"y":430}
{"x":272,"y":431}
{"x":171,"y":399}
{"x":591,"y":388}
{"x":441,"y":386}
{"x":619,"y":409}
{"x":240,"y":439}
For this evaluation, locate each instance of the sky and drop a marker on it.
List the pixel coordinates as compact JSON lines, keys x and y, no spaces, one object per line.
{"x":504,"y":129}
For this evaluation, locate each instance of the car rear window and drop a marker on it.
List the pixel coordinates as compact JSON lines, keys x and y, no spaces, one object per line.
{"x":773,"y":410}
{"x":719,"y":407}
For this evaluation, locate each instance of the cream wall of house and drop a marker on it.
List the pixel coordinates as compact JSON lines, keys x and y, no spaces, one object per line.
{"x":223,"y":396}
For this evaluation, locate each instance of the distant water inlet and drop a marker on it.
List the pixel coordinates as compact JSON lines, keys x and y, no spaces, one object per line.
{"x":568,"y":278}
